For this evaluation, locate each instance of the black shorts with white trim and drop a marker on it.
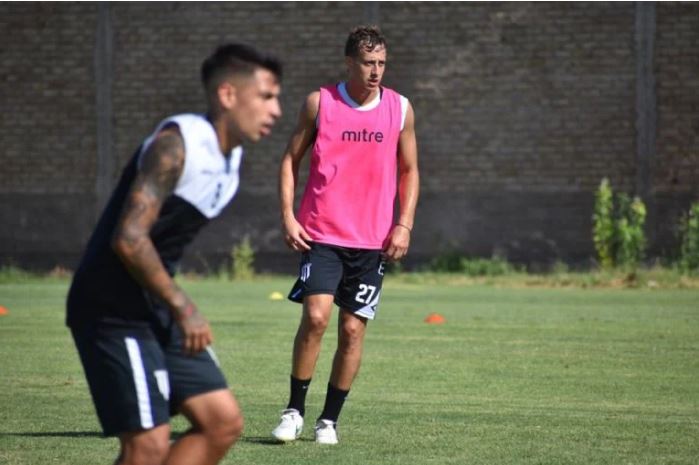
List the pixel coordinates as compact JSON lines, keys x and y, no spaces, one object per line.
{"x":353,"y":276}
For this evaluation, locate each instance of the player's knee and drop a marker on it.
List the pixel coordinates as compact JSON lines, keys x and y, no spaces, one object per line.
{"x":226,"y":432}
{"x":316,"y":321}
{"x":233,"y":430}
{"x":145,"y":450}
{"x":351,"y":337}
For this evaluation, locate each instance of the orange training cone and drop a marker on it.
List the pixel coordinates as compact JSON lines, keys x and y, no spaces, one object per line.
{"x":435,"y":319}
{"x":3,"y":311}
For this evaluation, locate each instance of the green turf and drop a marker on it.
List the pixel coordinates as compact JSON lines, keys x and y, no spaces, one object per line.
{"x":514,"y":376}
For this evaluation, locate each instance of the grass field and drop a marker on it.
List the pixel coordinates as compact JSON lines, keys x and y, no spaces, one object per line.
{"x":514,"y":376}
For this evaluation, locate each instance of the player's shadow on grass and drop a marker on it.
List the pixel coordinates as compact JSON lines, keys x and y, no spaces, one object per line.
{"x":56,"y":434}
{"x":267,"y":441}
{"x":264,"y":440}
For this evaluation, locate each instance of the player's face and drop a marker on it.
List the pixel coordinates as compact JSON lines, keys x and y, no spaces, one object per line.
{"x":257,"y":106}
{"x":367,"y":68}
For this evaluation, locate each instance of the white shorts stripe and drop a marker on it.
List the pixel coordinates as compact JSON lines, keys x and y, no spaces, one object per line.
{"x":161,"y":377}
{"x":369,"y":311}
{"x":213,"y":356}
{"x":140,"y":381}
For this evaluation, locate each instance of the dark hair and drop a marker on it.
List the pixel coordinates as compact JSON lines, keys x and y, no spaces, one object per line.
{"x":236,"y":58}
{"x":366,"y":37}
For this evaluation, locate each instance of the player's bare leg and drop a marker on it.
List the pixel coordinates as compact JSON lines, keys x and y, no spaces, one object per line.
{"x":217,"y":423}
{"x":314,"y":321}
{"x":149,"y":447}
{"x":348,"y":356}
{"x":317,"y":310}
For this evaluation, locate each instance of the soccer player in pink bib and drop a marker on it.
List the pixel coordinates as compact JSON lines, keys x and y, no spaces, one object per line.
{"x":364,"y":150}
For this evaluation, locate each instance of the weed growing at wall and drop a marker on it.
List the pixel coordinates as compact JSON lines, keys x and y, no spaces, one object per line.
{"x":618,"y":233}
{"x":603,"y":225}
{"x":242,"y":260}
{"x":454,"y":262}
{"x":13,"y":274}
{"x":630,"y":237}
{"x":689,"y":249}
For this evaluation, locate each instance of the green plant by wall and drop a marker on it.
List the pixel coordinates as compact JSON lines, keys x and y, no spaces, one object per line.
{"x":495,"y":266}
{"x":603,"y":233}
{"x":455,"y":262}
{"x":630,"y":236}
{"x":242,"y":260}
{"x":447,"y":262}
{"x":689,"y":249}
{"x":618,"y":233}
{"x":13,"y":274}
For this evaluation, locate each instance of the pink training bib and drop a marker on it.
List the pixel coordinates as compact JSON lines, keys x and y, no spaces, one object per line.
{"x":351,"y":189}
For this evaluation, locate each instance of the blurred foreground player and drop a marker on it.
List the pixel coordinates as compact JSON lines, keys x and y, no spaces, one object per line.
{"x":144,"y":345}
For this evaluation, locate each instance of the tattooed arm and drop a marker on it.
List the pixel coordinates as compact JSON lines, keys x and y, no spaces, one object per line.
{"x":161,"y":167}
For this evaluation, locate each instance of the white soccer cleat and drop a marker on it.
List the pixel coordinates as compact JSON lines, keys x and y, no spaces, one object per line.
{"x":290,"y":426}
{"x":325,"y":432}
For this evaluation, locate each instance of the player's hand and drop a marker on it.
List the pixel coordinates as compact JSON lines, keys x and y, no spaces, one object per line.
{"x":195,"y":329}
{"x":398,"y":243}
{"x":295,"y":236}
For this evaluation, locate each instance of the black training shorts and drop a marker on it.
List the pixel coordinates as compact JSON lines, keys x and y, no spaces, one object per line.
{"x":138,"y":381}
{"x":353,"y":276}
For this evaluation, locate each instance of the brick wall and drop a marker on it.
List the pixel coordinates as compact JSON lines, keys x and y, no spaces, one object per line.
{"x":46,"y":96}
{"x":521,"y":109}
{"x":518,"y":96}
{"x":47,"y":128}
{"x":676,"y":167}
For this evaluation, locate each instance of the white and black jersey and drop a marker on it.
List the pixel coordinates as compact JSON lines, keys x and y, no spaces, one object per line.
{"x":103,"y":291}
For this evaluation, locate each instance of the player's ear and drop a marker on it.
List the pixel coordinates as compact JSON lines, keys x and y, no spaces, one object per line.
{"x":227,"y":95}
{"x":348,"y":62}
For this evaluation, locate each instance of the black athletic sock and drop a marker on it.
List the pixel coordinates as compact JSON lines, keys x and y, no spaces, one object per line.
{"x":297,"y":399}
{"x":334,"y":400}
